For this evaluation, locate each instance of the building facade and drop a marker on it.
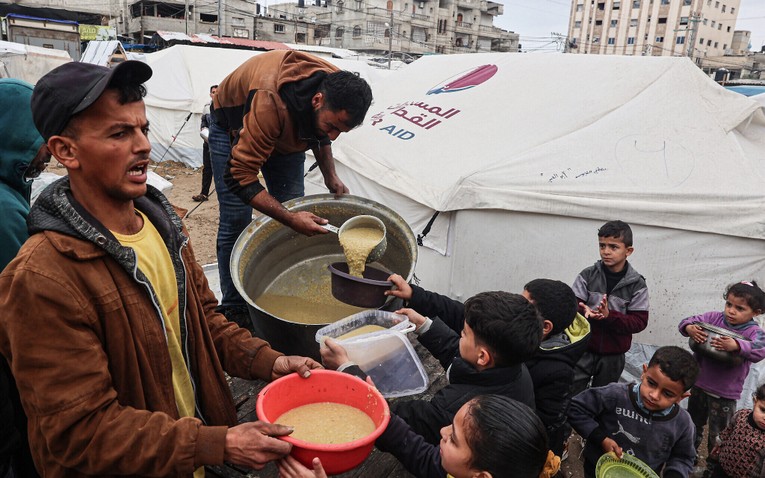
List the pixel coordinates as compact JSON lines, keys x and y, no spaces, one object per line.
{"x":403,"y":26}
{"x":693,"y":28}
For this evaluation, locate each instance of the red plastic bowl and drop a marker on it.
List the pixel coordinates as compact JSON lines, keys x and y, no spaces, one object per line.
{"x":294,"y":391}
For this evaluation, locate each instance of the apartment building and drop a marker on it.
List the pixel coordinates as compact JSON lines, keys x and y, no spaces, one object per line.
{"x":403,"y":26}
{"x":694,"y":28}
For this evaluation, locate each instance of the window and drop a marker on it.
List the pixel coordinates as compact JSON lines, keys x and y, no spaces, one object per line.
{"x":717,"y":4}
{"x":659,"y":39}
{"x":714,"y":23}
{"x":613,"y":23}
{"x":680,"y":40}
{"x":719,"y":26}
{"x":709,"y":42}
{"x":633,"y":22}
{"x":578,"y":24}
{"x":598,"y":22}
{"x":357,"y":31}
{"x":725,"y":46}
{"x":618,"y":5}
{"x":611,"y":41}
{"x":579,"y":7}
{"x":683,"y":20}
{"x":728,"y":29}
{"x":631,"y":41}
{"x":723,"y":8}
{"x":237,"y":21}
{"x":601,"y":6}
{"x":596,"y":39}
{"x":686,"y":2}
{"x":635,"y":3}
{"x":278,"y":28}
{"x":339,"y":32}
{"x":662,"y":20}
{"x":705,"y":21}
{"x":716,"y":44}
{"x":732,"y":10}
{"x":701,"y":41}
{"x":665,"y":2}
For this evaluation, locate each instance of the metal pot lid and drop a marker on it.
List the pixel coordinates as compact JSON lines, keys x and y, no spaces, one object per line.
{"x":721,"y":331}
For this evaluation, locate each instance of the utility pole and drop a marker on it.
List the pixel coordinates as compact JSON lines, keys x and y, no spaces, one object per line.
{"x":694,"y":24}
{"x":390,"y":39}
{"x":220,"y":17}
{"x":186,"y":16}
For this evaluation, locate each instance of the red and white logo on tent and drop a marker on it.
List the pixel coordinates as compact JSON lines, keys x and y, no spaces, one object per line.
{"x":465,"y":80}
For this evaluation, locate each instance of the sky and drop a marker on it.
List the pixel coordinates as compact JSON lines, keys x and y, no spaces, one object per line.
{"x":535,"y":20}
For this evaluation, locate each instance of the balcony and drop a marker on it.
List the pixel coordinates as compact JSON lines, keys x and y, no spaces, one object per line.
{"x":492,"y":8}
{"x":463,"y":27}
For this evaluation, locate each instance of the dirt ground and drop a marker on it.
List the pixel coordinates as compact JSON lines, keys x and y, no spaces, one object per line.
{"x":202,"y":222}
{"x":201,"y":218}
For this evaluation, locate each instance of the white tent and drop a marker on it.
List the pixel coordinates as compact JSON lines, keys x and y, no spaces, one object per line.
{"x":525,"y":156}
{"x":179,"y":90}
{"x":28,"y":62}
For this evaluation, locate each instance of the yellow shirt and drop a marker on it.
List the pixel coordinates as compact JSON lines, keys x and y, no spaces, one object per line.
{"x":154,"y":261}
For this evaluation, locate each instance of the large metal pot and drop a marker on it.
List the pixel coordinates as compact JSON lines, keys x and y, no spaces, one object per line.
{"x":270,"y":257}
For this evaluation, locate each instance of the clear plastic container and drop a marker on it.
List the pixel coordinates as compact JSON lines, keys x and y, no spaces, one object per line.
{"x":385,"y":355}
{"x":369,"y":320}
{"x":390,"y":360}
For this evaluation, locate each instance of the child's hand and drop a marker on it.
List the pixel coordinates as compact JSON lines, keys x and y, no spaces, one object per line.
{"x":609,"y":445}
{"x":332,"y":354}
{"x":725,"y":343}
{"x":696,"y":333}
{"x":603,"y":307}
{"x":402,"y":289}
{"x":414,"y":316}
{"x":291,"y":468}
{"x":589,"y":313}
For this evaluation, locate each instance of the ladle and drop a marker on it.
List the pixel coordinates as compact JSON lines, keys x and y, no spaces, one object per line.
{"x":363,"y":221}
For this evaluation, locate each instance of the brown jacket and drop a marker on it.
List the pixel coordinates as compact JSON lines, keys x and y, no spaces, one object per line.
{"x":87,"y":347}
{"x":251,"y":101}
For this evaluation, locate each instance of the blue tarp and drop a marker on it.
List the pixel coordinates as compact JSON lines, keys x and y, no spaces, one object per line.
{"x":747,"y":90}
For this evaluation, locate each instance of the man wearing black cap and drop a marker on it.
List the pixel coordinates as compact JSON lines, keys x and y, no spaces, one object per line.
{"x":108,"y":324}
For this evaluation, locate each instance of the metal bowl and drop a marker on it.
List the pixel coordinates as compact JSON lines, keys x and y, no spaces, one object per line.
{"x":706,"y":348}
{"x":367,"y":291}
{"x":269,"y":256}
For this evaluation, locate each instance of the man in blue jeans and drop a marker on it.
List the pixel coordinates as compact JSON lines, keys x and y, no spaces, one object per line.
{"x":267,"y":113}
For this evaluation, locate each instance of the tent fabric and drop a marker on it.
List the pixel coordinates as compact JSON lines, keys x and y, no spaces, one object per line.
{"x":180,"y":87}
{"x":572,"y":135}
{"x":28,"y":62}
{"x":524,"y":157}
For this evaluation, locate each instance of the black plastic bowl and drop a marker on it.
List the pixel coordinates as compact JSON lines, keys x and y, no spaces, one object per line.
{"x":368,"y":291}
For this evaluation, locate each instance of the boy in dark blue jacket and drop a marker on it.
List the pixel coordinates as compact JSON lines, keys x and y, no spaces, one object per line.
{"x":564,"y":341}
{"x":501,"y":331}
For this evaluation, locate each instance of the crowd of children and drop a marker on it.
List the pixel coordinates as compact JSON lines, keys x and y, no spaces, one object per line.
{"x":523,"y":370}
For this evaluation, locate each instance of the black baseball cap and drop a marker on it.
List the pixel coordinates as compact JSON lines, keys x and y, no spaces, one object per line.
{"x":73,"y":87}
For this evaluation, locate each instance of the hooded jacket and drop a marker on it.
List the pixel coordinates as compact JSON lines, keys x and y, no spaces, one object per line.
{"x":86,"y":342}
{"x":20,"y":144}
{"x":552,"y":371}
{"x":267,"y":100}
